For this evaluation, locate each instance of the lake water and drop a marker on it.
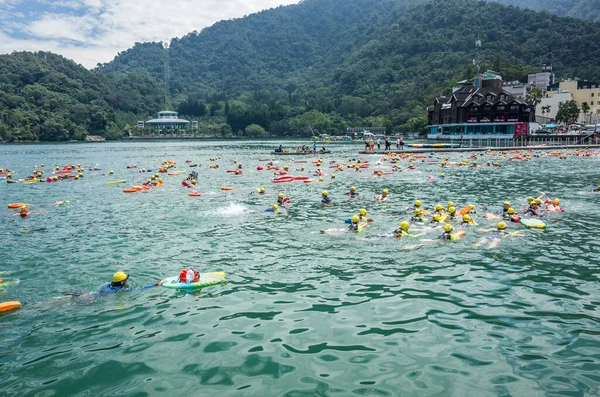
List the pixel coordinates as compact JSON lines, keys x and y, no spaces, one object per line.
{"x":302,"y":314}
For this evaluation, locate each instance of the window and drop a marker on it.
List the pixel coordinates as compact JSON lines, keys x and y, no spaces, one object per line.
{"x":500,"y":107}
{"x":592,"y":94}
{"x":514,"y":107}
{"x":592,"y":103}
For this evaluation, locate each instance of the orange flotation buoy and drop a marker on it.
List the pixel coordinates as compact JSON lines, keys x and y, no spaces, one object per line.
{"x":194,"y":194}
{"x":6,"y":306}
{"x":226,"y":188}
{"x":130,"y":190}
{"x":16,"y":205}
{"x":307,"y":180}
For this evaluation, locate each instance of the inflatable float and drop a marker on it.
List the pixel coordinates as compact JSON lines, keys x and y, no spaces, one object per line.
{"x":206,"y":279}
{"x":226,"y":188}
{"x":6,"y":306}
{"x":531,"y":223}
{"x":16,"y":205}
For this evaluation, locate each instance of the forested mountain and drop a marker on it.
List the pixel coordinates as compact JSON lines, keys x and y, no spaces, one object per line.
{"x":48,"y":97}
{"x":320,"y":65}
{"x":585,"y":9}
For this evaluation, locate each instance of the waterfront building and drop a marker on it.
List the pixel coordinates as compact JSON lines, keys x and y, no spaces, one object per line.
{"x":166,"y":121}
{"x":480,"y":109}
{"x":580,"y":91}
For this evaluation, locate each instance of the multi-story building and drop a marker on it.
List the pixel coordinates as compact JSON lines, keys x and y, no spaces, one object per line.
{"x":580,"y":91}
{"x":479,"y":109}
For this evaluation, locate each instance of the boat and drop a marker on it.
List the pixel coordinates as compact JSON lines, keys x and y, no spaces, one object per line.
{"x":300,"y":153}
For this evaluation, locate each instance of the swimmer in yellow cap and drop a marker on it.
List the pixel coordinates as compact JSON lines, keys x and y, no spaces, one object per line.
{"x":494,"y":236}
{"x":352,"y":193}
{"x":417,"y":216}
{"x":405,"y":231}
{"x":447,"y":235}
{"x":554,"y":206}
{"x":119,"y":283}
{"x":354,"y":226}
{"x":325,"y":200}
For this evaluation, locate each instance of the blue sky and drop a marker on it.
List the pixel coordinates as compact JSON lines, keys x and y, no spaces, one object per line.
{"x":94,"y":31}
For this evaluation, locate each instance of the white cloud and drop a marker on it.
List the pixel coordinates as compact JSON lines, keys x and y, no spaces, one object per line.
{"x":110,"y":26}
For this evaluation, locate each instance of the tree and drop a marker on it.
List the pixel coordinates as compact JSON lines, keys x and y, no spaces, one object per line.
{"x":534,"y":96}
{"x":255,"y":131}
{"x":546,"y":109}
{"x":568,"y":112}
{"x":585,"y":108}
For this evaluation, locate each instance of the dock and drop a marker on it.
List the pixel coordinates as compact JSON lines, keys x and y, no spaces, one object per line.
{"x":483,"y":149}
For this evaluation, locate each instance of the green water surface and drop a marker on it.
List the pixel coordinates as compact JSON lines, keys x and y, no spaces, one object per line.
{"x":302,"y":314}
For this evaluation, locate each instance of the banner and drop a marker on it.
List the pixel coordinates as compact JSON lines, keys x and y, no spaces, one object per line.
{"x":521,"y":129}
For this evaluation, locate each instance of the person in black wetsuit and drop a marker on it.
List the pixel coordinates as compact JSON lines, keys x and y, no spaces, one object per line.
{"x":119,"y":284}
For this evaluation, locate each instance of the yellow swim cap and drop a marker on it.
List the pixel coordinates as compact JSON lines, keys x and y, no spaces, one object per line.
{"x":261,"y":189}
{"x":119,"y":276}
{"x":23,"y":207}
{"x":448,"y":228}
{"x":471,"y":206}
{"x":450,"y":204}
{"x":442,"y":175}
{"x":275,"y":207}
{"x":280,"y":195}
{"x":466,"y":218}
{"x":501,"y":225}
{"x":452,"y":210}
{"x":362,"y":212}
{"x":325,"y":193}
{"x":193,"y":181}
{"x":353,"y":188}
{"x":385,"y":191}
{"x":538,"y":201}
{"x":556,"y":201}
{"x":437,"y":217}
{"x":507,"y":203}
{"x":404,"y":226}
{"x":417,"y":212}
{"x":159,"y":180}
{"x":417,"y":203}
{"x":529,"y":199}
{"x":355,"y":219}
{"x":511,"y":211}
{"x":438,"y":207}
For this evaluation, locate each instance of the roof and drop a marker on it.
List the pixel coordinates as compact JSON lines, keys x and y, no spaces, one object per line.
{"x":167,"y":121}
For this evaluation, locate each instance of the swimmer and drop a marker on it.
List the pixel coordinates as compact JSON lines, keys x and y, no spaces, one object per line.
{"x":24,"y":211}
{"x":119,"y":284}
{"x":274,"y":208}
{"x":384,"y":195}
{"x":439,"y":209}
{"x":450,"y":205}
{"x":417,"y":217}
{"x":261,"y":190}
{"x":352,"y":193}
{"x":325,"y":200}
{"x":534,"y":209}
{"x":436,"y":220}
{"x":281,"y":199}
{"x":451,"y":213}
{"x":354,"y":223}
{"x":493,"y":236}
{"x":505,"y":208}
{"x":593,"y":190}
{"x":510,"y":215}
{"x":447,"y":235}
{"x":405,"y":231}
{"x":363,"y":216}
{"x":467,"y":220}
{"x":554,"y":206}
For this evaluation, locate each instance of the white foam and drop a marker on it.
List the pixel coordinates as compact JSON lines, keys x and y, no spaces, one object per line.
{"x":232,"y":209}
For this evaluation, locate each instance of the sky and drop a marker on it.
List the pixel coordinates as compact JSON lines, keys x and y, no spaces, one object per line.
{"x":94,"y":31}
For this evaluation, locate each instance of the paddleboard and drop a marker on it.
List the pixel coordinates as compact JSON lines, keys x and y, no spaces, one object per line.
{"x":532,"y":223}
{"x":206,"y":279}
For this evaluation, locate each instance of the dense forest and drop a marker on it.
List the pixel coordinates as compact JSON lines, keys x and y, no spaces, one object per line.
{"x":319,"y":66}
